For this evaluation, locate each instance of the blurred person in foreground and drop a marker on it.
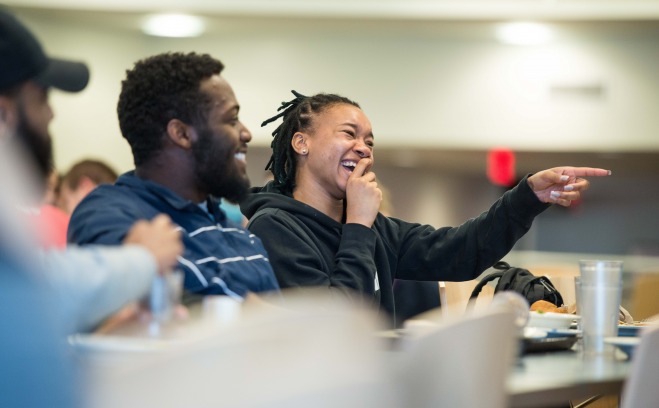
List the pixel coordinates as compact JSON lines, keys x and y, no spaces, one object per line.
{"x":45,"y":295}
{"x":319,"y":218}
{"x":180,"y":118}
{"x":81,"y":179}
{"x":90,"y":283}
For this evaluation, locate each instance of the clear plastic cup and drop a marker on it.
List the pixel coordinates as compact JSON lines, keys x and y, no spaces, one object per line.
{"x":577,"y":294}
{"x":165,"y":296}
{"x":599,"y":303}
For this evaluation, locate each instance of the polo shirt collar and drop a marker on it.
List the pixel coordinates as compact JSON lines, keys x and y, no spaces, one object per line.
{"x":131,"y":180}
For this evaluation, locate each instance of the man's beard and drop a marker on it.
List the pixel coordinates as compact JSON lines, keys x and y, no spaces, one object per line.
{"x":216,"y":171}
{"x":38,"y":146}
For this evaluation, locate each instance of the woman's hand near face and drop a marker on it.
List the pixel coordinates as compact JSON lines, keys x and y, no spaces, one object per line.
{"x":362,"y":195}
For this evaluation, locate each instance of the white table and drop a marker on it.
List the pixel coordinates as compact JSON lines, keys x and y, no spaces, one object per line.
{"x":554,"y":378}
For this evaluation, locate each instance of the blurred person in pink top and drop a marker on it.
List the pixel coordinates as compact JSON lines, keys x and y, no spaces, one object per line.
{"x":63,"y":194}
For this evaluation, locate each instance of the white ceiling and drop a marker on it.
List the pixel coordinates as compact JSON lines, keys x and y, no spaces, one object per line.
{"x":556,"y":10}
{"x":466,"y":19}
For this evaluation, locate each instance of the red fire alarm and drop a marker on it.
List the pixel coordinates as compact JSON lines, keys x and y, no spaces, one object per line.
{"x":501,"y":166}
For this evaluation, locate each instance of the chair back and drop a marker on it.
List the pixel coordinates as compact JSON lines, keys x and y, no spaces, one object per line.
{"x":275,"y":359}
{"x":640,"y":390}
{"x":460,"y":363}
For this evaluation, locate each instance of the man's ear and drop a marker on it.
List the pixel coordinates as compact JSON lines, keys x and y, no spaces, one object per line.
{"x":299,"y":143}
{"x":180,"y":133}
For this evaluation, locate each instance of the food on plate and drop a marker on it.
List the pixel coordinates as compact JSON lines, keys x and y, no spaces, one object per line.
{"x":636,"y":324}
{"x":542,"y":306}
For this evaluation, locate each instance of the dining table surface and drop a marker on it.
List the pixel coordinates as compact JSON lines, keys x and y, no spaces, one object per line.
{"x":554,"y":378}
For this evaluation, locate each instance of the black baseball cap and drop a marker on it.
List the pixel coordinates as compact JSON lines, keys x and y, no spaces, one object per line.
{"x":23,"y":59}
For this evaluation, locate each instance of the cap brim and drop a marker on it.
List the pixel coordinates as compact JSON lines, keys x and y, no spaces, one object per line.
{"x":66,"y":75}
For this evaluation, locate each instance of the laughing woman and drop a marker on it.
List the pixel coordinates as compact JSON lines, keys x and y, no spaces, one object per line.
{"x":319,"y":219}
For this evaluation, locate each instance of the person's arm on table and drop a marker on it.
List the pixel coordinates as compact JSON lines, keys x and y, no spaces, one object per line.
{"x":95,"y":281}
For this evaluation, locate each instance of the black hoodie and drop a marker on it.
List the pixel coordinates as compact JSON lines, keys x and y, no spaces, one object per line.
{"x":308,"y":248}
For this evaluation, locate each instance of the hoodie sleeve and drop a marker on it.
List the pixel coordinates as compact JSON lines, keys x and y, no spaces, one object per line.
{"x":464,"y":252}
{"x":300,"y":259}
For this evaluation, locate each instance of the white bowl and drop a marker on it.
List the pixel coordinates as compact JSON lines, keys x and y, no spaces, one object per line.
{"x":550,"y":320}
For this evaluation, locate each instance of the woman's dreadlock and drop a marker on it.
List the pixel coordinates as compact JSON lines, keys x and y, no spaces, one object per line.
{"x":297,"y":116}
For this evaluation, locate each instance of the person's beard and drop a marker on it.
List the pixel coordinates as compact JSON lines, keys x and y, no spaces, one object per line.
{"x":216,"y":171}
{"x":38,"y":146}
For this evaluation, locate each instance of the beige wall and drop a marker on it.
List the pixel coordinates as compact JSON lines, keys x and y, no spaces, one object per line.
{"x":441,"y":85}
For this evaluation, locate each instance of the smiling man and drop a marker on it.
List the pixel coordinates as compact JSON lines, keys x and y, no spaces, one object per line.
{"x":180,"y":118}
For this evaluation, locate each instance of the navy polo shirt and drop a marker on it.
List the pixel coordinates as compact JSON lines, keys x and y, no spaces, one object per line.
{"x":220,"y":256}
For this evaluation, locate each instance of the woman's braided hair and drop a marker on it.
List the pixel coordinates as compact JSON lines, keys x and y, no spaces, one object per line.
{"x":297,"y":116}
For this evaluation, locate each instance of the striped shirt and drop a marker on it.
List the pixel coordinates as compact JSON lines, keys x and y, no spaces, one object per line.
{"x":220,"y":256}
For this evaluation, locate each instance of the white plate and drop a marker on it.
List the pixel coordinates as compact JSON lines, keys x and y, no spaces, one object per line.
{"x":91,"y":342}
{"x":626,"y":344}
{"x":542,"y":333}
{"x":534,"y":333}
{"x":629,"y":331}
{"x":551,"y":320}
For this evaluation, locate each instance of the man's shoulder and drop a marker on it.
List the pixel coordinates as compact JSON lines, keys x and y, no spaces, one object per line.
{"x":108,"y":210}
{"x":107,"y":196}
{"x":112,"y":190}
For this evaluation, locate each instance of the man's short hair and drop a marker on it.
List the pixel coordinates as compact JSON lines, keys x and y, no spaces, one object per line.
{"x":159,"y":89}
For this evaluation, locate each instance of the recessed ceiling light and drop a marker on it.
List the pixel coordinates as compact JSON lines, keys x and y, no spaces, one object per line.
{"x":173,"y":25}
{"x":524,"y":34}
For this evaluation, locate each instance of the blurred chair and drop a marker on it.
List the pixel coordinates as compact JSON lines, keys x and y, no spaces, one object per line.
{"x":318,"y":357}
{"x":459,"y":363}
{"x":640,"y":390}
